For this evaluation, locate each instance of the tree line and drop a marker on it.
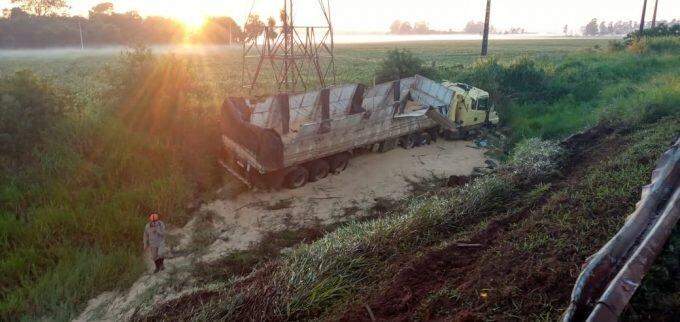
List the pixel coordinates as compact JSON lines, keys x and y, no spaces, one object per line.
{"x":39,"y":23}
{"x":603,"y":28}
{"x":399,"y":27}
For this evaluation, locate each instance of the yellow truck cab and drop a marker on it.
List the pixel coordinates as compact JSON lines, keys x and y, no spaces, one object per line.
{"x":471,"y":107}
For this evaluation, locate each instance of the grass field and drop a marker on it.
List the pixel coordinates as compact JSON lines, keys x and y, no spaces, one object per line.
{"x":141,"y":136}
{"x":220,"y":68}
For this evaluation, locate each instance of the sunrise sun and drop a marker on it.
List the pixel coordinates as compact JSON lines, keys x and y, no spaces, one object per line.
{"x":191,"y":20}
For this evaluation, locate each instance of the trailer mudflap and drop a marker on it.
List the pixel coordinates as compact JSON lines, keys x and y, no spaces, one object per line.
{"x":440,"y":119}
{"x":243,"y":153}
{"x":236,"y":173}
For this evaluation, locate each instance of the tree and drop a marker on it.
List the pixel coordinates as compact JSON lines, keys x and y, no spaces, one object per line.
{"x":405,"y":28}
{"x":253,"y":27}
{"x":399,"y":64}
{"x":41,"y":7}
{"x":591,"y":28}
{"x":271,"y":27}
{"x":104,"y":8}
{"x":220,"y":30}
{"x":17,"y":13}
{"x":474,"y":27}
{"x":565,"y":30}
{"x":603,"y":28}
{"x":395,"y":27}
{"x":421,"y":27}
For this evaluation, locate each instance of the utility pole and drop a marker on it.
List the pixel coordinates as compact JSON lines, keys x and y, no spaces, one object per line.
{"x":656,"y":6}
{"x":82,"y":44}
{"x":229,"y":27}
{"x":642,"y":20}
{"x":485,"y":37}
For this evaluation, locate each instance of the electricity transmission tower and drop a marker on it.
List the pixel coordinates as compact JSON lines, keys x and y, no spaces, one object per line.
{"x":295,"y":58}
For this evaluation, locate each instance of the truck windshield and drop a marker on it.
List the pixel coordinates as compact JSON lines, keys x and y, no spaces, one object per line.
{"x":482,"y":104}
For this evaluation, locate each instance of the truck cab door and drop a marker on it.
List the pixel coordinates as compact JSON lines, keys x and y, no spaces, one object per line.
{"x":478,"y":113}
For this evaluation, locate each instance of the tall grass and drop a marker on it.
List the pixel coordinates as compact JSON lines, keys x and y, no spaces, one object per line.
{"x":551,"y":99}
{"x":71,"y":218}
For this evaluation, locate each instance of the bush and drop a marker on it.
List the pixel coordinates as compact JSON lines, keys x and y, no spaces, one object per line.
{"x":664,"y":44}
{"x":160,"y":97}
{"x":401,"y":64}
{"x":535,"y":158}
{"x":662,"y":30}
{"x":655,"y":100}
{"x":29,"y":107}
{"x":524,"y":80}
{"x":616,"y":46}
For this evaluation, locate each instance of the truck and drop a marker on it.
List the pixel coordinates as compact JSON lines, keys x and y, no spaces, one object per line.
{"x":288,"y":140}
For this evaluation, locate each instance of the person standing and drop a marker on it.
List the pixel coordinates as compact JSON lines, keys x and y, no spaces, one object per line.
{"x":154,"y":241}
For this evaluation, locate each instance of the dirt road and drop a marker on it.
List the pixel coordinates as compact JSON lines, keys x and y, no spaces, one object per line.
{"x":239,"y":222}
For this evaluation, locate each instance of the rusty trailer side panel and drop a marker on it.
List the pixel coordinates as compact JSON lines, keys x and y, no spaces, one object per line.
{"x":337,"y":119}
{"x":356,"y":132}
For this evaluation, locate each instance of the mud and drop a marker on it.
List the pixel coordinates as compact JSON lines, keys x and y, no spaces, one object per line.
{"x":238,"y":223}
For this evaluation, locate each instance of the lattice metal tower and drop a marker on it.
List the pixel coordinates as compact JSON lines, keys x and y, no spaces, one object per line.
{"x":296,"y":58}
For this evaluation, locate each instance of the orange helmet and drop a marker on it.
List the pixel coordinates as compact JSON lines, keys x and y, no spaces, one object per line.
{"x":153,"y":217}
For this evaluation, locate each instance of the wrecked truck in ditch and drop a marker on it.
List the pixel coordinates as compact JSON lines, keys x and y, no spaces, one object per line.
{"x":288,"y":140}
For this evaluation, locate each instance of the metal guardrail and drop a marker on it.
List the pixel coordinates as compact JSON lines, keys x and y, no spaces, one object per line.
{"x":612,"y":275}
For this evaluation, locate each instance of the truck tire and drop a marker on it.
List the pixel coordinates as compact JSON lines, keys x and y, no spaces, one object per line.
{"x":455,"y":135}
{"x":422,"y":139}
{"x":433,"y":135}
{"x":318,"y":170}
{"x":296,"y":178}
{"x":407,"y":142}
{"x":338,"y":162}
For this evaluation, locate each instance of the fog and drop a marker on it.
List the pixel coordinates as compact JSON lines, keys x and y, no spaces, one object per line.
{"x":190,"y":49}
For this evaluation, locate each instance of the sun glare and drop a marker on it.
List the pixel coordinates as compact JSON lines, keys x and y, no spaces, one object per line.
{"x":193,"y":21}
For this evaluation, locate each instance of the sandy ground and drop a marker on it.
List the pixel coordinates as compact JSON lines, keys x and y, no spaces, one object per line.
{"x":241,"y":221}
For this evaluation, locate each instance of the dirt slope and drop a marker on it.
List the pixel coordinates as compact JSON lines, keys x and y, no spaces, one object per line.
{"x":524,"y":261}
{"x":236,"y":223}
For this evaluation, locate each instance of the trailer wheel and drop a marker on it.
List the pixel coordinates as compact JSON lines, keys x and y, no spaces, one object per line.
{"x":297,"y":178}
{"x":338,"y":162}
{"x":318,"y":170}
{"x":433,"y":135}
{"x":425,"y":138}
{"x":407,"y":142}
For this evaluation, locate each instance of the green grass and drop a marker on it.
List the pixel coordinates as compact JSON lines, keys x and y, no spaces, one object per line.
{"x":552,"y":99}
{"x":70,"y":224}
{"x":220,"y":70}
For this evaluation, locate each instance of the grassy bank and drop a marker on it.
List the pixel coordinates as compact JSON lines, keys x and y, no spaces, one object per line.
{"x":528,"y":227}
{"x":83,"y":171}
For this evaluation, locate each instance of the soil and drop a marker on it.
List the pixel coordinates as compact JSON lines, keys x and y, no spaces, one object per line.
{"x":372,"y":183}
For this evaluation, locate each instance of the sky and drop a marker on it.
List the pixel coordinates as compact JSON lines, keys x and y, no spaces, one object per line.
{"x":542,"y":16}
